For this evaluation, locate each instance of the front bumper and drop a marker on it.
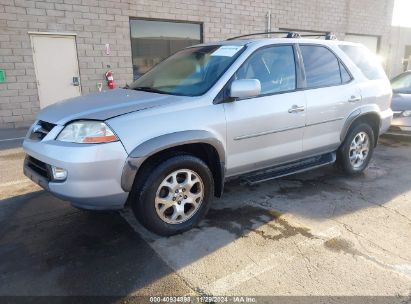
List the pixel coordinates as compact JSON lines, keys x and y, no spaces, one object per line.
{"x":94,"y":171}
{"x":400,"y":126}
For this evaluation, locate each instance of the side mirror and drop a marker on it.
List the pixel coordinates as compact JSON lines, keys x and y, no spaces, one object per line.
{"x":245,"y":88}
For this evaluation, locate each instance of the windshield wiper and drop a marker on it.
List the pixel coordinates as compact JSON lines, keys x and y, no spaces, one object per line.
{"x":149,"y":89}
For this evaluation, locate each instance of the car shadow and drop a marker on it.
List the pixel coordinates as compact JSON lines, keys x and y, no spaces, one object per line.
{"x":48,"y":248}
{"x":328,"y":193}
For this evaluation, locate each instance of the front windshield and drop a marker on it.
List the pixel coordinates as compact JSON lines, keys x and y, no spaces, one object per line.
{"x":190,"y":72}
{"x":402,"y":83}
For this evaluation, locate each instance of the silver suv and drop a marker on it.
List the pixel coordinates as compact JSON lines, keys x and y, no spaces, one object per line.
{"x":257,"y":109}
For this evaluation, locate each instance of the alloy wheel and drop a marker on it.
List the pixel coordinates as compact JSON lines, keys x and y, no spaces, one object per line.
{"x":179,"y":196}
{"x":359,"y":149}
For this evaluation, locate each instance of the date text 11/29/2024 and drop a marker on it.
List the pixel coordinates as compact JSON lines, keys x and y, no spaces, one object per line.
{"x":204,"y":299}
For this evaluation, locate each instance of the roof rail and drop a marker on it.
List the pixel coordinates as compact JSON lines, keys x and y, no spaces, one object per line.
{"x":288,"y":35}
{"x":326,"y":35}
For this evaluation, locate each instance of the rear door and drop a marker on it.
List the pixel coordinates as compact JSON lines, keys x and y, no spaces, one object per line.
{"x":331,"y":96}
{"x":266,"y":129}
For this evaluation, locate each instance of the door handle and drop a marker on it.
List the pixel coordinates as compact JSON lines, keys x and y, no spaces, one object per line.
{"x":354,"y":99}
{"x":296,"y":109}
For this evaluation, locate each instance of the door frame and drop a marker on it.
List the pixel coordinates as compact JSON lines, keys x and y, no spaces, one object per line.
{"x":52,"y":34}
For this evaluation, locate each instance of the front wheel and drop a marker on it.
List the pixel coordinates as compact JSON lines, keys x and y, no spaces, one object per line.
{"x":175,"y":196}
{"x":355,"y":153}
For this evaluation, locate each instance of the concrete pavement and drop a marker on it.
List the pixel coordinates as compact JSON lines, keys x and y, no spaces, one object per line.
{"x":318,"y":233}
{"x":12,"y":138}
{"x":49,"y":248}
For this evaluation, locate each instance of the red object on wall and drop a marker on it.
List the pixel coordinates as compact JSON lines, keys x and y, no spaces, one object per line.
{"x":110,"y":80}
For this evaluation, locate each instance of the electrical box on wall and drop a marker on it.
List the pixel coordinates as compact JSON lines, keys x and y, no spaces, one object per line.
{"x":2,"y":76}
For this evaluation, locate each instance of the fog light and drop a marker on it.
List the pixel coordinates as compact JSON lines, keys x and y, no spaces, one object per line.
{"x":406,"y":113}
{"x":59,"y":174}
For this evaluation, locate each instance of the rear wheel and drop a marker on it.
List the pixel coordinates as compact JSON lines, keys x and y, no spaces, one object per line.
{"x":175,"y":196}
{"x":355,"y":153}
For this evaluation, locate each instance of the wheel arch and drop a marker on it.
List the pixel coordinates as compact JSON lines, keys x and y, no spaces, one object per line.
{"x":200,"y":143}
{"x":368,"y":115}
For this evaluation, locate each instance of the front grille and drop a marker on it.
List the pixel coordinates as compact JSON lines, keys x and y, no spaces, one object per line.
{"x":38,"y":166}
{"x":41,"y":129}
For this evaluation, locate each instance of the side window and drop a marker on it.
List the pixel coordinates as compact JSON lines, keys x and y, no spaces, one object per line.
{"x":365,"y":61}
{"x":274,"y":67}
{"x":345,"y":76}
{"x":402,"y":83}
{"x":322,"y":68}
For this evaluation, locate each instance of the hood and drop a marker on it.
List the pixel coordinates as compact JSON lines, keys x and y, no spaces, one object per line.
{"x":401,"y":102}
{"x":104,"y":105}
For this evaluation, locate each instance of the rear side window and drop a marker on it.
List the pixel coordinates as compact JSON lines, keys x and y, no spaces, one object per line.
{"x":365,"y":61}
{"x":322,"y":68}
{"x":345,"y":76}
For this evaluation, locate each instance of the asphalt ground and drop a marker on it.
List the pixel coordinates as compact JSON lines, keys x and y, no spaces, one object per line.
{"x":318,"y":233}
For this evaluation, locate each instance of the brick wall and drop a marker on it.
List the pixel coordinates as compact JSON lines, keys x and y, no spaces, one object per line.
{"x":99,"y":22}
{"x":400,"y":39}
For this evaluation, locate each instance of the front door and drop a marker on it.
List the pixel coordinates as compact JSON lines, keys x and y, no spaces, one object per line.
{"x":268,"y":129}
{"x":56,"y":66}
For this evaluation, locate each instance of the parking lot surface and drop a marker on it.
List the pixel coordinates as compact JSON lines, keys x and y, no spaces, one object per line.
{"x":316,"y":233}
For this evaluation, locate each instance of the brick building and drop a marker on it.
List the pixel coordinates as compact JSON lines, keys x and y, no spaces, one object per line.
{"x":46,"y":45}
{"x":400,"y":52}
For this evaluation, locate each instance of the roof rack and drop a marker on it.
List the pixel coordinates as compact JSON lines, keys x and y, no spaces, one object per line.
{"x":288,"y":35}
{"x":326,"y":35}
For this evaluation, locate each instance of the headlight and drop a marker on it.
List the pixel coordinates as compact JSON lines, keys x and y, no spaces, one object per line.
{"x":90,"y":132}
{"x":406,"y":113}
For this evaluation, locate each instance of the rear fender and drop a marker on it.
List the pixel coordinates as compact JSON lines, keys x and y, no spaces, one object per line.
{"x":359,"y":113}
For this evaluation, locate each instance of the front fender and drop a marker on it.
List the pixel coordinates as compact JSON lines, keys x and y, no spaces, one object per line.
{"x":162,"y":142}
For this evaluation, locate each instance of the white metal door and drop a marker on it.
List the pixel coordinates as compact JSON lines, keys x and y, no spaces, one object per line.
{"x":371,"y":42}
{"x":56,"y":65}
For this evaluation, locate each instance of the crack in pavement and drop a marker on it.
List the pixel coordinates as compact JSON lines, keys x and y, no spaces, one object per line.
{"x":358,"y":235}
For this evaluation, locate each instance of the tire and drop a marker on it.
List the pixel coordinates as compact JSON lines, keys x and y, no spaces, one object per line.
{"x":353,"y":156}
{"x":181,"y":210}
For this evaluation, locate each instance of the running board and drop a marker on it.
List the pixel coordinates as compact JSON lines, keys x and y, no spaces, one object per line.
{"x":288,"y":169}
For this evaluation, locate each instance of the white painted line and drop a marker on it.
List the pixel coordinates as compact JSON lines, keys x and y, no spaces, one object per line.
{"x":15,"y":182}
{"x":252,"y":270}
{"x":10,"y":139}
{"x":221,"y":285}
